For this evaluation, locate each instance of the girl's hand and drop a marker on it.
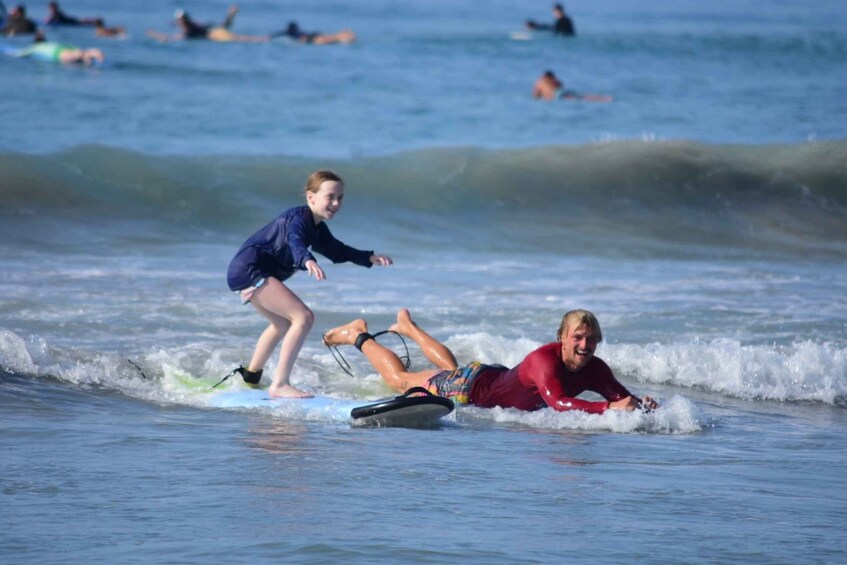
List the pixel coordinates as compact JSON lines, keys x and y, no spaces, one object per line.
{"x":314,"y":270}
{"x":381,"y":260}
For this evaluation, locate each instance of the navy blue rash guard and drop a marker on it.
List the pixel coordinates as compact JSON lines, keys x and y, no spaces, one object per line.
{"x":282,"y":247}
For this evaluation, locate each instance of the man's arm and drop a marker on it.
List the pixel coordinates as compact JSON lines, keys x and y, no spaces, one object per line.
{"x":547,"y":372}
{"x":532,"y":24}
{"x":618,"y":396}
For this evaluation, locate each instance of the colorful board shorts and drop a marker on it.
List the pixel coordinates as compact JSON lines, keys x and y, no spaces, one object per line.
{"x":456,"y":384}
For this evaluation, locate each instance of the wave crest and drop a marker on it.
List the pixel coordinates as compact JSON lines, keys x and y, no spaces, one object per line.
{"x":789,"y":197}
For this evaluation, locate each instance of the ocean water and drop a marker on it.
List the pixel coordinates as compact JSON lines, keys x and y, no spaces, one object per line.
{"x":702,"y":216}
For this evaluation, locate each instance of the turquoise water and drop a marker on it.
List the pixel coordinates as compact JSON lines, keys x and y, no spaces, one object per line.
{"x":702,"y":216}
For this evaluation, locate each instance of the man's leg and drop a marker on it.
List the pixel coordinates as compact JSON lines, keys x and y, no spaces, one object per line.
{"x":385,"y":361}
{"x":436,"y":352}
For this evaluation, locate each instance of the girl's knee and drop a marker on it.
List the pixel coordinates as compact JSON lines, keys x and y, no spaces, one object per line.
{"x":304,"y":318}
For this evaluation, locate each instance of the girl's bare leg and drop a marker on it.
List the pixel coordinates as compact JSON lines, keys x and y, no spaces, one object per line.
{"x":435,"y":351}
{"x":267,"y":342}
{"x":385,"y":361}
{"x":290,"y":322}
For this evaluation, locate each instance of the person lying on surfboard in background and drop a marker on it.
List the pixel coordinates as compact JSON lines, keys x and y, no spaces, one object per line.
{"x":272,"y":255}
{"x":562,"y":24}
{"x":190,"y":29}
{"x":100,"y":30}
{"x":552,"y":375}
{"x":50,"y":51}
{"x":549,"y":87}
{"x":56,"y":17}
{"x":293,"y":31}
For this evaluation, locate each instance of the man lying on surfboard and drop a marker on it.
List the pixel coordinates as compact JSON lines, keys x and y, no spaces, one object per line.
{"x":190,"y":29}
{"x":552,"y":375}
{"x":549,"y":87}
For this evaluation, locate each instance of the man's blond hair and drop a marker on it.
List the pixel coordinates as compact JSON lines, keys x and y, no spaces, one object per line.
{"x":577,"y":318}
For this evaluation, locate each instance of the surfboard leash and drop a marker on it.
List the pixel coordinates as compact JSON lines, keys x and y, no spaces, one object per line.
{"x":252,"y":378}
{"x":134,"y":364}
{"x":347,"y":368}
{"x":223,"y":380}
{"x":339,"y":358}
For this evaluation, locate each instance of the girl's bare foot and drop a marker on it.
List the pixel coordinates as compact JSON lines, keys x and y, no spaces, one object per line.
{"x":346,"y":334}
{"x":288,"y":391}
{"x":404,"y":323}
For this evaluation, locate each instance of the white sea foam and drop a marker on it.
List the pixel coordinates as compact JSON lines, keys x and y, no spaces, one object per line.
{"x":14,"y":356}
{"x":803,"y":371}
{"x":675,"y":416}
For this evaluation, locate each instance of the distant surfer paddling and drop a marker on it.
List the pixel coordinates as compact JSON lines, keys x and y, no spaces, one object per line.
{"x":190,"y":29}
{"x":553,"y":375}
{"x":272,"y":255}
{"x":43,"y":50}
{"x":549,"y":87}
{"x":295,"y":33}
{"x":57,"y":17}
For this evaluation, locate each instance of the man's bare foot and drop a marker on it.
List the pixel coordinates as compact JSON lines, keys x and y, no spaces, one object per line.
{"x":346,"y":334}
{"x":404,"y":324}
{"x":288,"y":391}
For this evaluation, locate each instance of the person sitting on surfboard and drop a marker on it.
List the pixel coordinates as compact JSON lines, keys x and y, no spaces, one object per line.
{"x":549,"y":87}
{"x":562,"y":24}
{"x":275,"y":253}
{"x":552,"y":375}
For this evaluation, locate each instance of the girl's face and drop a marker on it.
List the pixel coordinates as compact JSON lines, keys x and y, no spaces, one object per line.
{"x":326,"y":202}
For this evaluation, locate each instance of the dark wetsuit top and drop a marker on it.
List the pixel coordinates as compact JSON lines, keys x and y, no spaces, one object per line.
{"x":60,"y":18}
{"x":294,"y":32}
{"x":564,"y":26}
{"x":193,"y":30}
{"x":18,"y":26}
{"x":542,"y":379}
{"x":282,"y":247}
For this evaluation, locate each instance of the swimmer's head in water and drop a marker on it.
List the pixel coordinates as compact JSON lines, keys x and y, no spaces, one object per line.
{"x":179,"y":14}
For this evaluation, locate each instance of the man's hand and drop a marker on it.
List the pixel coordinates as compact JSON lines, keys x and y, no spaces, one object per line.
{"x":634,"y":403}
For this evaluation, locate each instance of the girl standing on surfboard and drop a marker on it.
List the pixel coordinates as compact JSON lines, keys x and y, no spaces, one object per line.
{"x":272,"y":255}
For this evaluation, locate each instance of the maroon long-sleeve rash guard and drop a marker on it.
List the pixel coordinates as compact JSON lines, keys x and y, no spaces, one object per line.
{"x":542,"y":379}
